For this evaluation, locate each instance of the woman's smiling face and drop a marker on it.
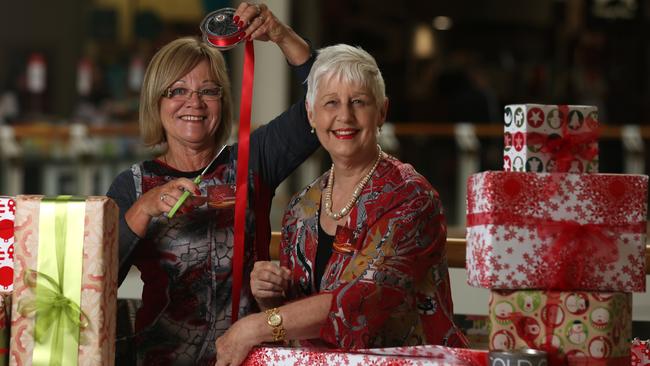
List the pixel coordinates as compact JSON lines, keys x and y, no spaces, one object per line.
{"x":192,"y":122}
{"x":346,"y":117}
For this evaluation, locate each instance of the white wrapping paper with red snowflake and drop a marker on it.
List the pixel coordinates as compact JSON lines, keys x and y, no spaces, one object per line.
{"x":7,"y":216}
{"x":640,"y":352}
{"x":592,"y":326}
{"x":550,"y":138}
{"x":428,"y":355}
{"x":557,"y":231}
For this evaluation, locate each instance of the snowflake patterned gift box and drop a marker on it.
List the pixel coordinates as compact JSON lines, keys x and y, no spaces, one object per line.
{"x":65,"y":281}
{"x":428,"y":355}
{"x":558,"y":231}
{"x":592,"y":326}
{"x":7,"y":213}
{"x":640,"y":352}
{"x":550,"y":138}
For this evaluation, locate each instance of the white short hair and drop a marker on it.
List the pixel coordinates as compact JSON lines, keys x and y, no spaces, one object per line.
{"x":349,"y":64}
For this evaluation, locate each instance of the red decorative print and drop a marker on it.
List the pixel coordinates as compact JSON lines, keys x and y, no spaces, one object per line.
{"x":399,"y":356}
{"x":7,"y":217}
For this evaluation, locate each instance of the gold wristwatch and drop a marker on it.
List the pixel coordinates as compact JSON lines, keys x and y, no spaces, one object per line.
{"x":274,"y":320}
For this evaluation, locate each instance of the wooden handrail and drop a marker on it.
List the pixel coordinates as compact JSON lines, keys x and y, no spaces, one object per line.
{"x":455,"y":251}
{"x":427,"y":129}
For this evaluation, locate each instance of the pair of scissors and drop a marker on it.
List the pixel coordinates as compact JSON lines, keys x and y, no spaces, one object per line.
{"x":196,"y":180}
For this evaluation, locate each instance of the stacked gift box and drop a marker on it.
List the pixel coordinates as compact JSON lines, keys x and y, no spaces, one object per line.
{"x":7,"y":216}
{"x":561,"y":246}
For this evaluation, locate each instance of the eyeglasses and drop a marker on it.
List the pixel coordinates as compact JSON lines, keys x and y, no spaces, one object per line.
{"x":214,"y":93}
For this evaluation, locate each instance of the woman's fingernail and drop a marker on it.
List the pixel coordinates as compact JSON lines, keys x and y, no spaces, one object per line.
{"x":197,"y":192}
{"x":241,"y":24}
{"x":235,"y":19}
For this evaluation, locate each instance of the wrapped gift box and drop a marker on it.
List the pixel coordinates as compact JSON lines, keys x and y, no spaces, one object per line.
{"x":557,"y":231}
{"x":401,"y":356}
{"x":550,"y":138}
{"x":7,"y":214}
{"x":595,"y":326}
{"x":640,"y":352}
{"x":81,"y":230}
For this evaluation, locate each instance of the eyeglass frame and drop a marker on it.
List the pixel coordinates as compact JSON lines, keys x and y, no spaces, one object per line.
{"x":168,"y":91}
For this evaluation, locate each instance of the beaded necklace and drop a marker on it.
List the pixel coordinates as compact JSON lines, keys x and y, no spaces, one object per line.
{"x":355,"y":195}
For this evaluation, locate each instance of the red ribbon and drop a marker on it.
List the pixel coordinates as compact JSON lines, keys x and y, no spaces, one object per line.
{"x":226,"y":41}
{"x":508,"y":218}
{"x":569,"y":146}
{"x":576,"y":245}
{"x":241,"y":195}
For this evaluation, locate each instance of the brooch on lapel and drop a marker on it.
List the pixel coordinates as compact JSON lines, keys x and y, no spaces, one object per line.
{"x":343,"y":240}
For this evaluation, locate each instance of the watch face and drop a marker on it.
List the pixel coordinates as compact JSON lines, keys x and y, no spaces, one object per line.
{"x":275,"y":320}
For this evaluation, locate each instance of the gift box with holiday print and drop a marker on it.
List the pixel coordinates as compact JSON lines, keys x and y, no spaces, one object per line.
{"x":593,"y":326}
{"x":65,"y":283}
{"x":556,"y":231}
{"x":428,"y":355}
{"x":7,"y":214}
{"x":551,"y":138}
{"x":640,"y":352}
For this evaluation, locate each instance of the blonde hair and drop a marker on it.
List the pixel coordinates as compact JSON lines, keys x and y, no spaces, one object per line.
{"x":349,"y":64}
{"x":170,"y":63}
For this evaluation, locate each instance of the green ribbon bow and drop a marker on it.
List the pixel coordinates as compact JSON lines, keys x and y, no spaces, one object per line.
{"x":57,"y":282}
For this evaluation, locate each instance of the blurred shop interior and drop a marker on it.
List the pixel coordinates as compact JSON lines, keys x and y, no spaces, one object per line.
{"x":70,"y":73}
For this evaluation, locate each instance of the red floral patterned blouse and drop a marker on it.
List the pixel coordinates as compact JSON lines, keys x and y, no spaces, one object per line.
{"x":388,"y":270}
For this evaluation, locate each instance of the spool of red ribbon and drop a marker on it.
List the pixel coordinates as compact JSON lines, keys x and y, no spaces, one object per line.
{"x":220,"y":31}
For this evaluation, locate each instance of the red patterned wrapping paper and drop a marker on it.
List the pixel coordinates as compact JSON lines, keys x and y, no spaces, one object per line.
{"x":640,"y":352}
{"x":589,"y":326}
{"x":550,"y":138}
{"x":428,"y":355}
{"x":99,"y":280}
{"x":7,"y":215}
{"x":556,"y":231}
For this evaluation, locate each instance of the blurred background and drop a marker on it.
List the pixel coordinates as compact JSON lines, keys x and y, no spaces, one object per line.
{"x":71,"y":70}
{"x":70,"y":74}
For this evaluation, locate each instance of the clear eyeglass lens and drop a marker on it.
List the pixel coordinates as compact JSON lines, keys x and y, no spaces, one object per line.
{"x":185,"y":93}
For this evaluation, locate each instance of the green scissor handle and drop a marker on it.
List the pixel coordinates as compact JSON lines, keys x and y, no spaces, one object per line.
{"x":182,"y":200}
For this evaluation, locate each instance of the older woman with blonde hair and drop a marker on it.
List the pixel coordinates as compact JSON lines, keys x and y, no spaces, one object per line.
{"x":186,"y":261}
{"x":362,"y":257}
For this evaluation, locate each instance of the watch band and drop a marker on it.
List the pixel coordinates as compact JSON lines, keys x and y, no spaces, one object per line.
{"x":274,"y":320}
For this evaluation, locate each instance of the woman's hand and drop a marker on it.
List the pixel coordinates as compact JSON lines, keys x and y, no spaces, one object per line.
{"x":239,"y":339}
{"x":269,"y":283}
{"x":156,"y":202}
{"x":261,"y":24}
{"x":161,"y":199}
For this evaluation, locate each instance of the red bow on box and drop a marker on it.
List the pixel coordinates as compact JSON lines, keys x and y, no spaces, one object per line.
{"x":575,"y":248}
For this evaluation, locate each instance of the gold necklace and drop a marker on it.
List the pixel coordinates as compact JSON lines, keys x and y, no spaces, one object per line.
{"x":355,"y":195}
